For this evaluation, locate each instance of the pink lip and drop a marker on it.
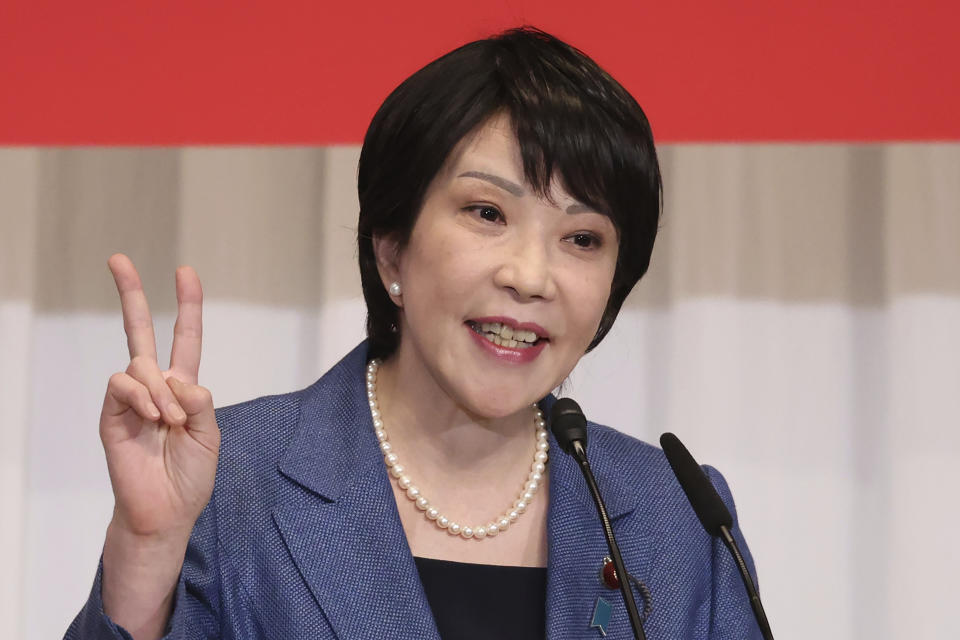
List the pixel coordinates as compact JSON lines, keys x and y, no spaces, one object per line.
{"x":510,"y":322}
{"x":506,"y":354}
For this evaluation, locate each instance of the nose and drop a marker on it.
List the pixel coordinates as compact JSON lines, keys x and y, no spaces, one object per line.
{"x":525,"y":269}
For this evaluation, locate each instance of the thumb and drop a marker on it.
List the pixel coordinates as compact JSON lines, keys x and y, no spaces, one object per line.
{"x":197,"y":402}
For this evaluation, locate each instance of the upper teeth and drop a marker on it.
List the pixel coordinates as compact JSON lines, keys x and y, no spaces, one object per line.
{"x":507,"y":332}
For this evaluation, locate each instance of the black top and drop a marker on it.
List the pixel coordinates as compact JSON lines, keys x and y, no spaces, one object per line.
{"x":485,"y":601}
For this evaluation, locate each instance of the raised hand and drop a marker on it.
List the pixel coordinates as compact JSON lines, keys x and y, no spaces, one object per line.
{"x":158,"y":427}
{"x":161,"y":440}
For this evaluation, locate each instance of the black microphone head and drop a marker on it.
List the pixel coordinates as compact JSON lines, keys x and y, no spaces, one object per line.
{"x":568,"y":424}
{"x":703,"y":497}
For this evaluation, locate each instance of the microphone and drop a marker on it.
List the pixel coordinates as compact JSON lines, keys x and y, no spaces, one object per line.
{"x":569,"y":427}
{"x":713,"y":515}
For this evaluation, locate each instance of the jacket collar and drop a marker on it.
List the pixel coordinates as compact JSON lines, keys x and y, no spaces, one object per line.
{"x":339,"y":519}
{"x":334,"y":419}
{"x":340,"y":522}
{"x":334,"y":441}
{"x":619,"y":496}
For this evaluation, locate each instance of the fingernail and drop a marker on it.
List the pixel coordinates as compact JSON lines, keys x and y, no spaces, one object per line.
{"x":176,"y":412}
{"x":153,"y":412}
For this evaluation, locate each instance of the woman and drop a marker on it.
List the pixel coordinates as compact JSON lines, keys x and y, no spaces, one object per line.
{"x":509,"y":196}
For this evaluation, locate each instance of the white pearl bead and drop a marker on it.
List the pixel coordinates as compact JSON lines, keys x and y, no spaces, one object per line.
{"x":377,"y":423}
{"x":531,"y":486}
{"x":422,"y":503}
{"x":381,"y":435}
{"x":391,"y":459}
{"x":541,"y":434}
{"x":404,"y":481}
{"x":413,"y":492}
{"x":536,"y":476}
{"x":492,"y":529}
{"x":543,"y":445}
{"x":467,"y":532}
{"x":370,"y":394}
{"x":454,"y":528}
{"x":527,"y":496}
{"x":513,"y":515}
{"x":443,"y":522}
{"x":397,"y":470}
{"x":385,"y":446}
{"x":480,"y":533}
{"x":539,"y":467}
{"x":503,"y":523}
{"x":519,"y":506}
{"x":541,"y":456}
{"x":432,"y":513}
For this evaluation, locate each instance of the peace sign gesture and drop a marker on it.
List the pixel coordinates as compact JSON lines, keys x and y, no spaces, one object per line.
{"x":158,"y":427}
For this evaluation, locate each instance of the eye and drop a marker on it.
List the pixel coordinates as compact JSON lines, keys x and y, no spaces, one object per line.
{"x":585,"y":240}
{"x":486,"y":212}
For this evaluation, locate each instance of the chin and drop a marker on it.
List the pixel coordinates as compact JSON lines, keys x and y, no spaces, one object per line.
{"x":493,"y":405}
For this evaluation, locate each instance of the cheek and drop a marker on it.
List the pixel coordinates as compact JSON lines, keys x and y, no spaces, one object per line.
{"x":588,"y":299}
{"x":439,"y":267}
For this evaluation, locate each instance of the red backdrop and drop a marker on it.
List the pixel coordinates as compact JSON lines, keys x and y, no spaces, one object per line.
{"x":291,"y":72}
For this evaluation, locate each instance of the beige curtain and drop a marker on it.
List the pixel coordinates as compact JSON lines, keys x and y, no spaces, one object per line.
{"x":798,"y":329}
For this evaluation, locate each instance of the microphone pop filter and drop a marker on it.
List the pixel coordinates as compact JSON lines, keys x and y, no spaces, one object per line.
{"x":703,"y":497}
{"x":568,"y":423}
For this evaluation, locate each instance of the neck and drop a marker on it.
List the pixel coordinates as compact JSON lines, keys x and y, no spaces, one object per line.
{"x":432,"y":431}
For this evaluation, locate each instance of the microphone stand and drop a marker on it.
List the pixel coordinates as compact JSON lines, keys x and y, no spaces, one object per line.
{"x":751,"y":588}
{"x":579,"y":453}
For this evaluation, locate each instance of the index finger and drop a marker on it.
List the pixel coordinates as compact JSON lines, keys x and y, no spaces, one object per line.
{"x":137,"y":322}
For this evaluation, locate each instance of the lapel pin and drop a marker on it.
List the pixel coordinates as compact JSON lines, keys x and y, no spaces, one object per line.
{"x":608,"y":574}
{"x":601,"y":615}
{"x":609,"y":579}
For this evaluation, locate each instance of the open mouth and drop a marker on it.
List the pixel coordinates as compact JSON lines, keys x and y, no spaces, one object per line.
{"x":503,"y":335}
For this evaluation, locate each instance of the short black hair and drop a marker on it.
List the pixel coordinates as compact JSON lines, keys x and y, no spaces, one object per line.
{"x":571,"y":120}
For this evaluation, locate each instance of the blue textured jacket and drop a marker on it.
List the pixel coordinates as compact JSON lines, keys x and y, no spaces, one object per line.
{"x":302,"y":538}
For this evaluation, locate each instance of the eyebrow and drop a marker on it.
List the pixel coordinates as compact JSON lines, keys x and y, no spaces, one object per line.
{"x":577,"y":207}
{"x":508,"y":186}
{"x":516,"y":190}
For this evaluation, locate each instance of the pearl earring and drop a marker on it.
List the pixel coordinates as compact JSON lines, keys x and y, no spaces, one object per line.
{"x":395,"y":289}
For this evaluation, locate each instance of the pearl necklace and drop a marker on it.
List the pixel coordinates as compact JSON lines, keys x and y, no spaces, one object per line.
{"x":398,"y":471}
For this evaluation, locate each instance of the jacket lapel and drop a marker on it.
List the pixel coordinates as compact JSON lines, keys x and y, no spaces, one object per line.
{"x":577,"y":546}
{"x":339,"y":520}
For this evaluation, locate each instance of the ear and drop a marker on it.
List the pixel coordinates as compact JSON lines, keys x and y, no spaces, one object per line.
{"x":386,"y":248}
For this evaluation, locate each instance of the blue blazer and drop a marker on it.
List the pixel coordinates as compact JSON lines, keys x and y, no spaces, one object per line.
{"x":302,"y":538}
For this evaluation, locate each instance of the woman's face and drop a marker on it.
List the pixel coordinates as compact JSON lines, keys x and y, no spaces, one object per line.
{"x":502,"y":291}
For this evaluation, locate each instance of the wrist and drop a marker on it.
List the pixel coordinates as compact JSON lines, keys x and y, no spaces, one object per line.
{"x":140,"y":577}
{"x":120,"y":530}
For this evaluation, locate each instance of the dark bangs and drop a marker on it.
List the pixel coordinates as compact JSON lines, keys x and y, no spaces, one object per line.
{"x":572,"y":121}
